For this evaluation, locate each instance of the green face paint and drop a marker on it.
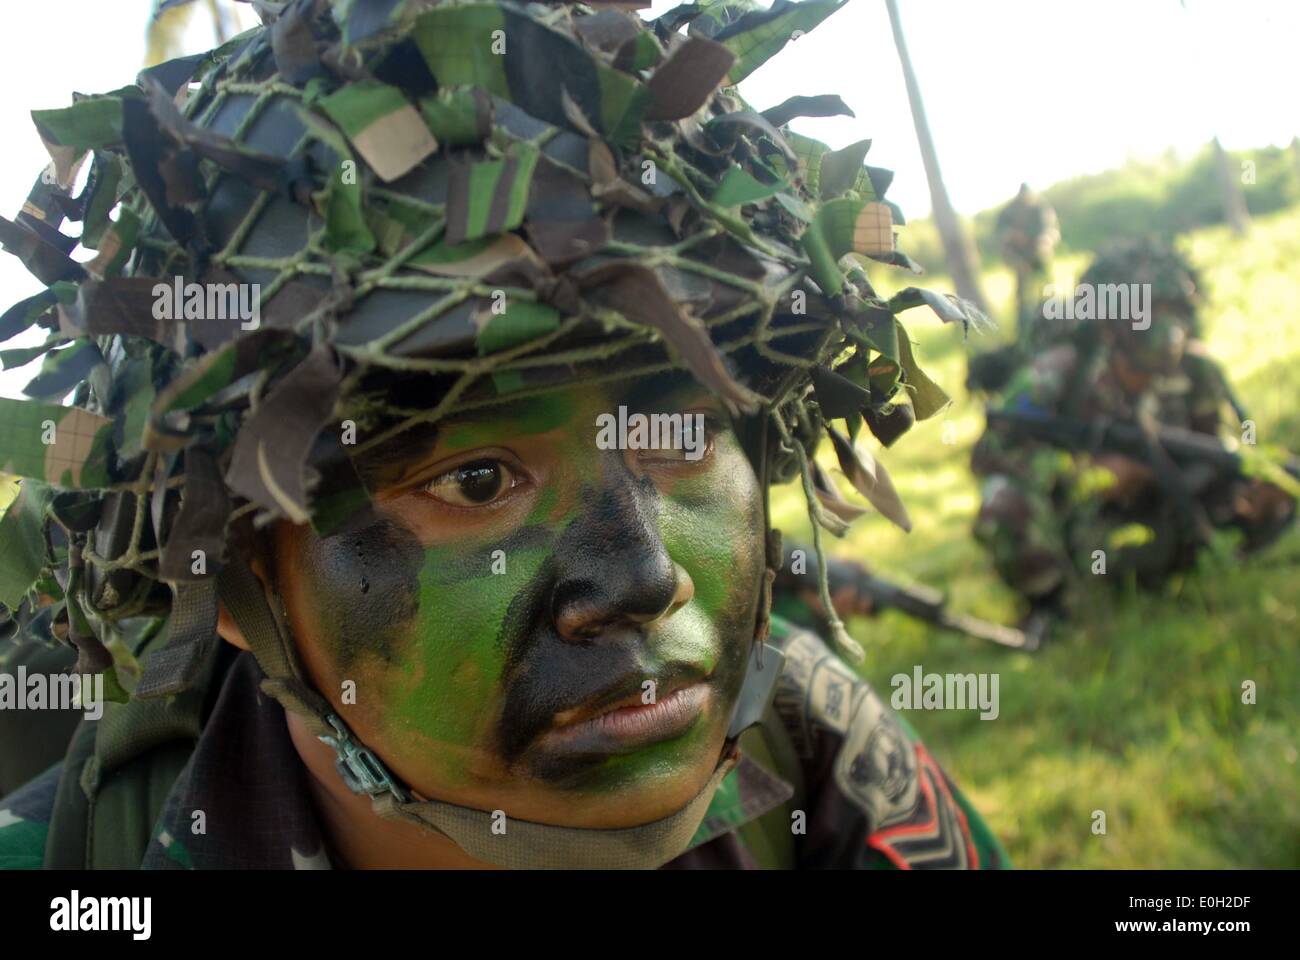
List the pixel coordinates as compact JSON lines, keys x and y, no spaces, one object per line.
{"x":581,"y":636}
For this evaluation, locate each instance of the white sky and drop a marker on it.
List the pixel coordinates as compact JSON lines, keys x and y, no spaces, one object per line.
{"x":1036,"y":90}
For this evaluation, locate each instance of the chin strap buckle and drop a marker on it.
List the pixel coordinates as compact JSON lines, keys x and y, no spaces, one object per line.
{"x":361,"y":770}
{"x":758,"y":689}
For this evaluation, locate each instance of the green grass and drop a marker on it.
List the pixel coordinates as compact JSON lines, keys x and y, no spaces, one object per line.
{"x":1137,"y":710}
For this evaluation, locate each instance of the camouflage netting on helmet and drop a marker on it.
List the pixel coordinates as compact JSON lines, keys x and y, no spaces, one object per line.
{"x":443,"y":205}
{"x":1173,"y":280}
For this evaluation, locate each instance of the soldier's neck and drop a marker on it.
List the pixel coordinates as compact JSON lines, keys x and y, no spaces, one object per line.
{"x":356,"y":835}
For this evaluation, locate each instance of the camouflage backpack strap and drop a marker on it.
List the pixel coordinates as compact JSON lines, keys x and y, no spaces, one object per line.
{"x":120,"y":768}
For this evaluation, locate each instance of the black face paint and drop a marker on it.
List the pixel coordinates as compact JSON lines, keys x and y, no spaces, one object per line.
{"x":366,"y":581}
{"x":465,"y":669}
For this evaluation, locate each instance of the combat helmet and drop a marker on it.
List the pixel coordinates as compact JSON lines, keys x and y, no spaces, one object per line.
{"x":436,"y":206}
{"x":1027,"y":230}
{"x":1154,"y":271}
{"x":1175,"y":283}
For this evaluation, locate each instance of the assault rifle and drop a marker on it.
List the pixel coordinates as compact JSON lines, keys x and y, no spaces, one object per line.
{"x":1183,"y":447}
{"x":875,"y":593}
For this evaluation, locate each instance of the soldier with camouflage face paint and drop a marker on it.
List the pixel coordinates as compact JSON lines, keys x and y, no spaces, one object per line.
{"x":359,"y":556}
{"x":1049,"y":516}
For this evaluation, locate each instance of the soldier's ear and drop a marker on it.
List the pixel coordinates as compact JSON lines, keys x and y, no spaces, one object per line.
{"x":228,"y":630}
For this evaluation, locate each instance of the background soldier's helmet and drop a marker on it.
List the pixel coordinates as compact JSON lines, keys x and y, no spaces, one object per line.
{"x":442,"y":205}
{"x":1174,"y":297}
{"x":1027,"y":231}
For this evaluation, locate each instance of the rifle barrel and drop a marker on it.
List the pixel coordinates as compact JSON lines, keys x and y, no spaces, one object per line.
{"x":1184,"y":446}
{"x":928,"y":604}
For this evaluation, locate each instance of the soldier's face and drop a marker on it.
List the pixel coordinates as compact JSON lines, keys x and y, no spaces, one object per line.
{"x":529,"y":621}
{"x":1159,"y":348}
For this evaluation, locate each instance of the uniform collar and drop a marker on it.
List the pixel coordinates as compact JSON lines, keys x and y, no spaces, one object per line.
{"x":745,"y":794}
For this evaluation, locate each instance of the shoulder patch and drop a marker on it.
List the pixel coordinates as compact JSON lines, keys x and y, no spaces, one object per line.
{"x":876,"y":767}
{"x":912,"y":817}
{"x":816,"y":689}
{"x":935,"y":835}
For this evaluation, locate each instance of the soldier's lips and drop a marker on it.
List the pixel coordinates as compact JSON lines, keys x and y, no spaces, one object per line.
{"x":627,"y":724}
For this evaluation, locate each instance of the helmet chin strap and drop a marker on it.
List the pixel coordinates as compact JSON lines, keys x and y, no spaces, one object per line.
{"x":523,"y":844}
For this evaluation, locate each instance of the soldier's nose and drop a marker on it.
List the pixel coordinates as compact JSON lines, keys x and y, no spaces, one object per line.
{"x":613,"y":570}
{"x":584,"y":611}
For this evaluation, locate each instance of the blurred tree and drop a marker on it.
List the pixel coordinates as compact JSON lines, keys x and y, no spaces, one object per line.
{"x":1234,"y":201}
{"x":959,"y":250}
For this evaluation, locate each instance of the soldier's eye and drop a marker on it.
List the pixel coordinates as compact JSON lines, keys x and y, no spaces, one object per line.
{"x":696,"y":438}
{"x":475,"y":484}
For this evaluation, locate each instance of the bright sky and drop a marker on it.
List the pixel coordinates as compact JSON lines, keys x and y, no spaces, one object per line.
{"x":1036,"y":90}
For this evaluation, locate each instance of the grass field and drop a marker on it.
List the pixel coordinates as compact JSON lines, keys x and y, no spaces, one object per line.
{"x":1137,"y":711}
